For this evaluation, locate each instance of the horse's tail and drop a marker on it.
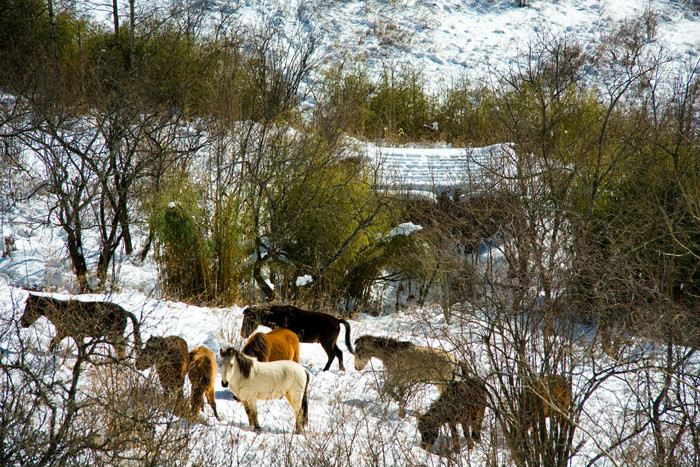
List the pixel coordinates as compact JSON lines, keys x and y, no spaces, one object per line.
{"x":198,"y":385}
{"x":191,"y":356}
{"x":137,"y":332}
{"x":305,"y":400}
{"x":465,"y":370}
{"x":347,"y":336}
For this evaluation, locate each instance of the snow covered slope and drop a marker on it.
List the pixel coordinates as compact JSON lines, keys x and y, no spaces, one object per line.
{"x":452,"y":39}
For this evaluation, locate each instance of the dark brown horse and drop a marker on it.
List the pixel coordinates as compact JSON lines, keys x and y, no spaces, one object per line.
{"x":171,"y":358}
{"x":278,"y":344}
{"x":78,"y":319}
{"x":309,"y":326}
{"x":463,"y":402}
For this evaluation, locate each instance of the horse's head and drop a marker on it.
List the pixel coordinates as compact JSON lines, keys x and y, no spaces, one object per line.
{"x":362,"y":354}
{"x":154,"y":348}
{"x":428,"y":430}
{"x":227,"y":358}
{"x":251,"y":320}
{"x":32,"y":311}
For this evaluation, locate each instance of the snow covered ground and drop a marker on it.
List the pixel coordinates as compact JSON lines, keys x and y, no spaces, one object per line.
{"x":431,"y":171}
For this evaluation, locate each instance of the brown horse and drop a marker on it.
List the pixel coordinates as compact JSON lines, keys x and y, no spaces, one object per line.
{"x":78,"y":319}
{"x":309,"y":326}
{"x":547,"y":396}
{"x":171,"y":358}
{"x":407,"y":363}
{"x":202,"y":374}
{"x":278,"y":344}
{"x":463,"y":402}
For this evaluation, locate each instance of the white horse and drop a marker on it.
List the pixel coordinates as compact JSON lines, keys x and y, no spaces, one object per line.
{"x":251,"y":380}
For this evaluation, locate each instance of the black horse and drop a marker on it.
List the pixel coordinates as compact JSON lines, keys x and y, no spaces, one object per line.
{"x":310,"y":326}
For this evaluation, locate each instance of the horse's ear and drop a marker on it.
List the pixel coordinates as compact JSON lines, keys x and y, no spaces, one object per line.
{"x":221,"y":352}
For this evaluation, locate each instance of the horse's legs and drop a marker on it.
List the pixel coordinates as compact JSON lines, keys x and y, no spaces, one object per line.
{"x":295,"y":403}
{"x":251,"y":409}
{"x":120,"y":350}
{"x":401,"y":398}
{"x":339,"y":354}
{"x":176,"y":396}
{"x":455,"y":437}
{"x":330,"y":351}
{"x":212,"y":401}
{"x":196,"y":402}
{"x":476,"y":422}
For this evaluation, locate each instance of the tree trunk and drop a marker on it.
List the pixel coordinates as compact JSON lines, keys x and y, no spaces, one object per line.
{"x":132,"y":32}
{"x":52,"y":25}
{"x":75,"y":250}
{"x":115,"y":13}
{"x":267,"y":291}
{"x":123,"y":218}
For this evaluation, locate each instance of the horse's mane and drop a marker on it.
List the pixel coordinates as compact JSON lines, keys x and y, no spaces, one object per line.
{"x":256,"y":346}
{"x":256,"y":311}
{"x":244,"y":363}
{"x":387,"y":344}
{"x":41,"y":301}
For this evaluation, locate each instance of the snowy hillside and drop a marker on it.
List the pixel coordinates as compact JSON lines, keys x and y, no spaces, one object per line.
{"x":450,"y":40}
{"x":454,"y":39}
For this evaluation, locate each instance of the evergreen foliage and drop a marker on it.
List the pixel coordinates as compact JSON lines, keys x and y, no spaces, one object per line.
{"x":180,"y":226}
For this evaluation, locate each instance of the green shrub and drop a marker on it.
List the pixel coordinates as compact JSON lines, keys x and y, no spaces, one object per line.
{"x":183,"y":249}
{"x":401,"y":105}
{"x":395,"y":107}
{"x":330,"y":221}
{"x":228,"y":251}
{"x":466,"y":116}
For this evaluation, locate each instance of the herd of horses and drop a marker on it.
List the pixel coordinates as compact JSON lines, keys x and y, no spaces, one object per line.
{"x":267,"y":367}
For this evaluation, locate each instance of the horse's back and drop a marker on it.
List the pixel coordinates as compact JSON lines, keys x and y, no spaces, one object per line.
{"x":442,"y":359}
{"x":426,"y":364}
{"x":273,"y":380}
{"x":91,"y":318}
{"x":283,"y":345}
{"x":202,"y":365}
{"x":112,"y":315}
{"x":309,"y":326}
